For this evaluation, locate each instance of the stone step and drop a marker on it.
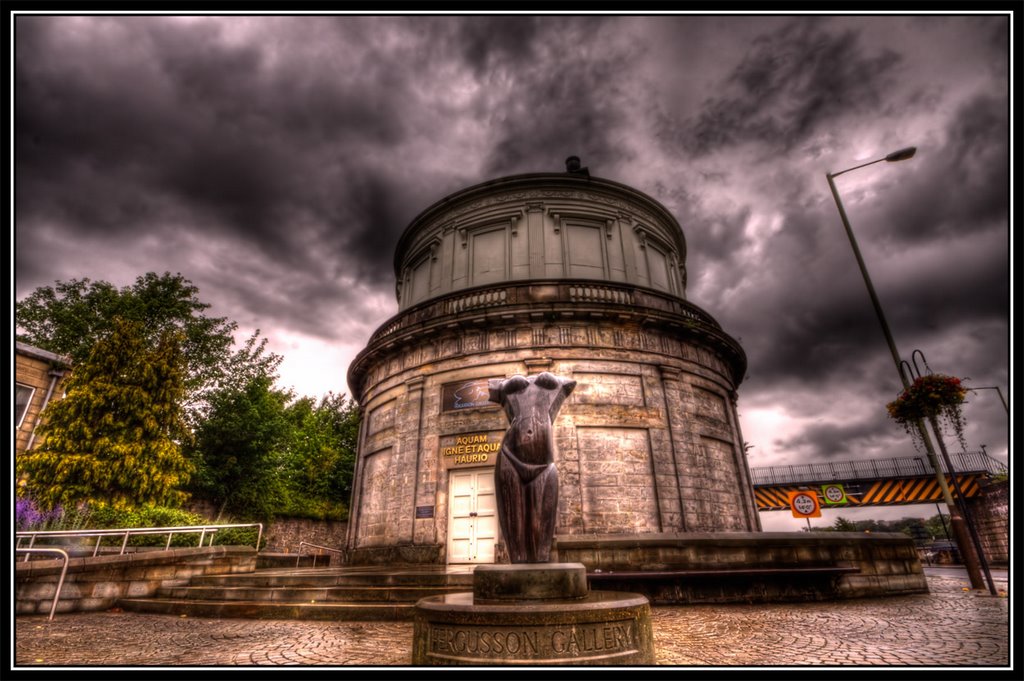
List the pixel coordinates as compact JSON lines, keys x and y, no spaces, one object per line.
{"x":332,"y":594}
{"x":270,"y":610}
{"x":307,"y":593}
{"x":327,"y":577}
{"x":290,"y":593}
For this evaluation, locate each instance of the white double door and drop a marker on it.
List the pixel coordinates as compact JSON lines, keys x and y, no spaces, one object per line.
{"x":472,"y":517}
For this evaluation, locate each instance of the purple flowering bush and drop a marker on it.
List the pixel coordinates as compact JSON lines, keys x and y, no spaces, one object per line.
{"x":28,"y":516}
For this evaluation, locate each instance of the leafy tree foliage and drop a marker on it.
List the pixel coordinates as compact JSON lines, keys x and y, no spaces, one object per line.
{"x":938,"y":527}
{"x":239,"y":447}
{"x":321,"y":456}
{"x":113,"y":438}
{"x":918,"y":528}
{"x":71,"y":316}
{"x":259,"y":455}
{"x":843,"y":525}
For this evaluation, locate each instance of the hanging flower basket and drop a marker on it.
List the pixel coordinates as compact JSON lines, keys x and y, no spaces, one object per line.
{"x":930,"y":395}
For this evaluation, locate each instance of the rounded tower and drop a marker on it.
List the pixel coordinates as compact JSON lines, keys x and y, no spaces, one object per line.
{"x":562,"y":272}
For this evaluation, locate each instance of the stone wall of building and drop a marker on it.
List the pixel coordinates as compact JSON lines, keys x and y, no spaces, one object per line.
{"x":648,"y":442}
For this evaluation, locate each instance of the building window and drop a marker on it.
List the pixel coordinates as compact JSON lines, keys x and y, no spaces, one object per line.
{"x":22,"y":398}
{"x":489,"y":256}
{"x":585,"y":250}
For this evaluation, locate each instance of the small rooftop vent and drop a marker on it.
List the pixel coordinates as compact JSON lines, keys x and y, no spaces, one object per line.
{"x":572,"y":166}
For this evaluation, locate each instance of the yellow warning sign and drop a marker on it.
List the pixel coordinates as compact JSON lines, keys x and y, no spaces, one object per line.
{"x":804,"y":504}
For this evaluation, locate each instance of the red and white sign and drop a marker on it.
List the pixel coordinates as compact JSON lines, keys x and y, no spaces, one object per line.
{"x":804,"y":504}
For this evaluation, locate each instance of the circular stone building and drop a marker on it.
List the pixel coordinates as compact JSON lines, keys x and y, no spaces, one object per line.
{"x":559,"y":272}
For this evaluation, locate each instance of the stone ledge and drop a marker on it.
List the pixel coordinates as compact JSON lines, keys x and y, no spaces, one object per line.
{"x":91,"y":564}
{"x":760,"y":566}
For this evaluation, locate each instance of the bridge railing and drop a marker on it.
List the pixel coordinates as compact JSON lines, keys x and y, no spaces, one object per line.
{"x":871,"y":469}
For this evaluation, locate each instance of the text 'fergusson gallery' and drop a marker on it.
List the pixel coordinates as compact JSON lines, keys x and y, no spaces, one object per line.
{"x":561,"y":272}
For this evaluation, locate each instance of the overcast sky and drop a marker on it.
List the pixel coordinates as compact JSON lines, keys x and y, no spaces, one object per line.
{"x":274,"y":161}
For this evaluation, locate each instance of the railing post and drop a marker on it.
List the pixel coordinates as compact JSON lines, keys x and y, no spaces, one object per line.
{"x":124,"y":544}
{"x":63,"y":572}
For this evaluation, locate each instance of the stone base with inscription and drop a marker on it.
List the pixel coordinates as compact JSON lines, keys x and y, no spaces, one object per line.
{"x":533,"y":614}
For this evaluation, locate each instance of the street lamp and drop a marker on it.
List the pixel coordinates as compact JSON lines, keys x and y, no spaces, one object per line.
{"x":963,"y":539}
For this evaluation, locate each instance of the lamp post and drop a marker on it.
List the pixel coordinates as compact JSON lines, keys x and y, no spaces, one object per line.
{"x":963,"y":539}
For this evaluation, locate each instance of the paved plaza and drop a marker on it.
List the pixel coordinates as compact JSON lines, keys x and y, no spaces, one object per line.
{"x":951,"y":626}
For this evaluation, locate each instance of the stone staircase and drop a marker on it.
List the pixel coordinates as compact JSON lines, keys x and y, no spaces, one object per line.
{"x":306,"y":593}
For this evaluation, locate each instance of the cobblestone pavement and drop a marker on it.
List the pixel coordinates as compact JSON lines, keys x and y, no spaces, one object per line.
{"x":950,"y":626}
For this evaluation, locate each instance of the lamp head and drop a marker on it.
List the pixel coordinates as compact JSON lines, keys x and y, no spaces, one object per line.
{"x":901,"y":155}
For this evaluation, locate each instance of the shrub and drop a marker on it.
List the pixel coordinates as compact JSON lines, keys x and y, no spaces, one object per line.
{"x":109,"y":516}
{"x":238,"y":536}
{"x":28,"y":517}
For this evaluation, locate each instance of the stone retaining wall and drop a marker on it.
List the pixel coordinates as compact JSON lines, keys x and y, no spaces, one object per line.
{"x":991,"y":513}
{"x":885,"y":563}
{"x":97,"y":583}
{"x":284,"y":534}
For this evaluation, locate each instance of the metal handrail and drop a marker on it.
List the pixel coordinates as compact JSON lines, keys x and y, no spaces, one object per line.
{"x":315,"y":546}
{"x":129,"y":531}
{"x":63,"y":572}
{"x":865,"y":469}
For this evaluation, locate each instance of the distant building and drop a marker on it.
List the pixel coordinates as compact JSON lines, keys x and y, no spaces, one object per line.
{"x":39,"y":377}
{"x":559,"y":272}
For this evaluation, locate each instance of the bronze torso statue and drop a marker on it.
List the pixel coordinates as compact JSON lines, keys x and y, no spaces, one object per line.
{"x":526,"y":481}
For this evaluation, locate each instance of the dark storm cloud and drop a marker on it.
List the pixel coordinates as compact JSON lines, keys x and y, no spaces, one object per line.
{"x":800,"y":305}
{"x":964,"y":187}
{"x":116,"y":149}
{"x":498,"y":42}
{"x":789,"y":82}
{"x":837,"y":441}
{"x":197,"y":117}
{"x":375,"y":221}
{"x":196,"y":131}
{"x":564,"y":97}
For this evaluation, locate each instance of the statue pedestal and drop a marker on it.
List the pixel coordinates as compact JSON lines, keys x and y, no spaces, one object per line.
{"x":533,"y":614}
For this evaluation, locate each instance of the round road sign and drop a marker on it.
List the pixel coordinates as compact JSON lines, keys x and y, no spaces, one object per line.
{"x":834,"y":494}
{"x":804,"y":504}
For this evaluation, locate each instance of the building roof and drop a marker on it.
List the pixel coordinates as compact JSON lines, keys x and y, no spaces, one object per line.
{"x":38,"y":353}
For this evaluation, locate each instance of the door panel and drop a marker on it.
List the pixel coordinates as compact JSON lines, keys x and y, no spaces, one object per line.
{"x":472,"y":518}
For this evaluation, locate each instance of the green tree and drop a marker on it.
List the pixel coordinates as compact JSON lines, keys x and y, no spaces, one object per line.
{"x":114,"y":438}
{"x":71,"y":316}
{"x":841,"y":524}
{"x":321,"y":456}
{"x":938,"y":527}
{"x":239,"y":449}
